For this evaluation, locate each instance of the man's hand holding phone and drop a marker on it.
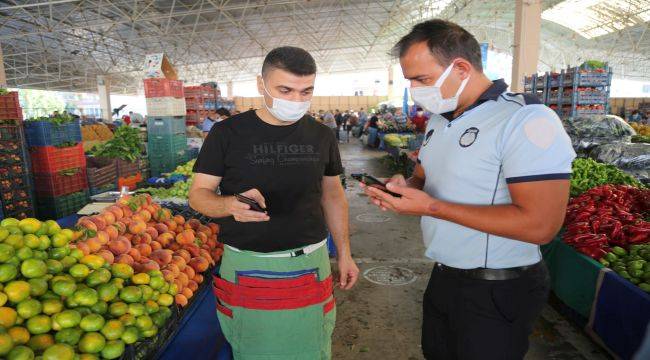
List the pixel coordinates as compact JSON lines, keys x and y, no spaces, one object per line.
{"x":245,"y":206}
{"x":411,"y":201}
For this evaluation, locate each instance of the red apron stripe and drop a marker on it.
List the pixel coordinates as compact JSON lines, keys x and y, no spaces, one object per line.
{"x":329,"y":306}
{"x":224,"y":310}
{"x":270,"y":293}
{"x":257,"y":282}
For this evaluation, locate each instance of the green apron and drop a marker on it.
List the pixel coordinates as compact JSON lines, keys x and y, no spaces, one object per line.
{"x":300,"y":332}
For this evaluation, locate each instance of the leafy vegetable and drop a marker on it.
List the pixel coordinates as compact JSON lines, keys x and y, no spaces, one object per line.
{"x":125,"y":145}
{"x":588,"y":174}
{"x":57,"y":120}
{"x":641,"y":139}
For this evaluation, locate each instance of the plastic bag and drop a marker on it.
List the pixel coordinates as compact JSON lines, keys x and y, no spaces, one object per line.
{"x":587,"y":132}
{"x":624,"y":155}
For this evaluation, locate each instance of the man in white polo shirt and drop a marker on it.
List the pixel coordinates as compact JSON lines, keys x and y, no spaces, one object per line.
{"x":492,"y":184}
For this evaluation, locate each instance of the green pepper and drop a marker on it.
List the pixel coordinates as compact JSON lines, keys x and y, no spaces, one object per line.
{"x":635,"y":265}
{"x":625,"y":274}
{"x":637,"y":274}
{"x":611,"y":257}
{"x":619,"y":251}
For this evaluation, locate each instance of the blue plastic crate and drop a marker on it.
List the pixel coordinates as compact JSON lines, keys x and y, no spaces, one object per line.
{"x":44,"y":133}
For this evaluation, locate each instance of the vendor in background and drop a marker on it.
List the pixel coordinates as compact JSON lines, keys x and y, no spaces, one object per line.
{"x":419,"y":121}
{"x":279,"y":175}
{"x":137,"y":119}
{"x":491,"y":185}
{"x":635,"y":116}
{"x":400,"y":118}
{"x":208,"y":122}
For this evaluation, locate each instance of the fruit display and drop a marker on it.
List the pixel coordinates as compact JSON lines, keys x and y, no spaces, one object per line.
{"x":641,"y":139}
{"x":179,"y":189}
{"x":608,"y":215}
{"x":587,"y":174}
{"x":140,"y":233}
{"x":632,"y":264}
{"x":59,"y":302}
{"x":96,"y":132}
{"x":641,"y":129}
{"x":15,"y":194}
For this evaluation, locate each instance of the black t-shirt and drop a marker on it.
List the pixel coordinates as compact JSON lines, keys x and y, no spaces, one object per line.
{"x":286,"y":164}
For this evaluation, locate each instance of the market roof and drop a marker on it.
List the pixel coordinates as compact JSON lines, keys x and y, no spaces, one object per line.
{"x":65,"y":44}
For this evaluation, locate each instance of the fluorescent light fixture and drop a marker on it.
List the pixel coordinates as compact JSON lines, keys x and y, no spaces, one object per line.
{"x":593,"y":18}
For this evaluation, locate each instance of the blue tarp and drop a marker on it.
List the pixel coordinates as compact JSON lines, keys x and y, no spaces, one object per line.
{"x":621,"y":315}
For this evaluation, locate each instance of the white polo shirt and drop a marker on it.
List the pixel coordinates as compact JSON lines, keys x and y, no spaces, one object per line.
{"x":502,"y":139}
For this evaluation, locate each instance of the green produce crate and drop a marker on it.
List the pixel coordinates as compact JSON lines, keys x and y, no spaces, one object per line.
{"x":159,"y":164}
{"x":165,"y":125}
{"x":61,"y":206}
{"x":166,"y":144}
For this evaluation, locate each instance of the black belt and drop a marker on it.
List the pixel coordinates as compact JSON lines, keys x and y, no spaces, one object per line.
{"x":491,"y":274}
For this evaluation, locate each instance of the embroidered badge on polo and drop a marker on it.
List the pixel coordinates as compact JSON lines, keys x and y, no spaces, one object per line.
{"x":469,"y":137}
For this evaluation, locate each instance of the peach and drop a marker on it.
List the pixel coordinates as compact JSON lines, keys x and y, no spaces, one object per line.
{"x":186,"y":237}
{"x":189,"y":272}
{"x":204,"y":229}
{"x":146,"y":215}
{"x":179,"y":261}
{"x":94,"y":245}
{"x":181,"y":300}
{"x":137,"y":227}
{"x":136,"y":239}
{"x":138,"y":217}
{"x":198,"y":278}
{"x":168,"y":275}
{"x":203,"y":238}
{"x":192,"y":285}
{"x":99,"y":222}
{"x":187,"y":292}
{"x":144,"y":249}
{"x":180,"y":220}
{"x":150,"y":265}
{"x":179,"y":284}
{"x":161,"y":228}
{"x":199,"y":264}
{"x":86,"y":223}
{"x":126,"y":210}
{"x":137,"y":267}
{"x":165,"y":238}
{"x":214,"y":227}
{"x":211,"y":244}
{"x":174,"y":246}
{"x":125,"y":259}
{"x":112,"y":232}
{"x":120,"y":227}
{"x":119,"y":246}
{"x":152,"y":232}
{"x":117,"y":211}
{"x":174,"y":269}
{"x":206,"y":255}
{"x":155,"y":245}
{"x":135,"y":254}
{"x":83,"y":246}
{"x":103,"y":236}
{"x":171,"y":225}
{"x":194,"y":223}
{"x":183,"y":278}
{"x":184,"y":254}
{"x":161,"y":256}
{"x":107,"y":255}
{"x":194,"y":250}
{"x":109,"y":217}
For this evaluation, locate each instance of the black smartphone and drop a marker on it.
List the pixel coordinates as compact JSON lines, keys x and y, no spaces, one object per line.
{"x":370,"y":180}
{"x":250,"y":202}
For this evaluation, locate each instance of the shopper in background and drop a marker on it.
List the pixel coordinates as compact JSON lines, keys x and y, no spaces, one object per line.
{"x":491,"y":185}
{"x":419,"y":121}
{"x":400,"y":118}
{"x":222,"y":114}
{"x":274,"y":289}
{"x":126,"y":119}
{"x":338,"y":116}
{"x":363,"y":118}
{"x":352,"y":123}
{"x":330,"y":122}
{"x":208,"y":122}
{"x":136,"y":118}
{"x":635,"y":116}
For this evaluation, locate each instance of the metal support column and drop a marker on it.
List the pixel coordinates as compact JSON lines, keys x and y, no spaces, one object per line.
{"x":229,"y":85}
{"x":3,"y":75}
{"x":390,"y":81}
{"x":525,"y":52}
{"x":104,"y":92}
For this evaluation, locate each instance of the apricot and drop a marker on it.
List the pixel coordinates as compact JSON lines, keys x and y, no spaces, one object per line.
{"x":119,"y":246}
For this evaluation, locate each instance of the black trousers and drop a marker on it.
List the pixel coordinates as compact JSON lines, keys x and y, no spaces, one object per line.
{"x":467,"y":318}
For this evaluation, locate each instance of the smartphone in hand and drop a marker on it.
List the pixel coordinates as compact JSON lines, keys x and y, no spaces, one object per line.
{"x":374,"y":182}
{"x":255,"y":206}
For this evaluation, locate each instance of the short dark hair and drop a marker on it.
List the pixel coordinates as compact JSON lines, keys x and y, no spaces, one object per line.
{"x":289,"y":58}
{"x":223,"y":111}
{"x":445,"y":39}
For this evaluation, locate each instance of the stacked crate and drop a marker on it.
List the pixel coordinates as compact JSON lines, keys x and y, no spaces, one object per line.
{"x":164,"y":97}
{"x":15,"y":188}
{"x":167,"y":143}
{"x":58,"y":166}
{"x":102,"y":174}
{"x":198,"y":100}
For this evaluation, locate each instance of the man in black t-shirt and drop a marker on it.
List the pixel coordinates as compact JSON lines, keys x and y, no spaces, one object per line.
{"x":275,"y":275}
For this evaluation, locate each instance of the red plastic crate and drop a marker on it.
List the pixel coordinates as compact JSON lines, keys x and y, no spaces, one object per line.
{"x":11,"y":114}
{"x":131,"y":182}
{"x":9,"y":101}
{"x":163,"y":88}
{"x":51,"y":159}
{"x":60,"y":183}
{"x":200,"y":92}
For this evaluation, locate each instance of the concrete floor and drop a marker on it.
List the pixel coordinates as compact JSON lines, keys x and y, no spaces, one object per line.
{"x":383,"y":321}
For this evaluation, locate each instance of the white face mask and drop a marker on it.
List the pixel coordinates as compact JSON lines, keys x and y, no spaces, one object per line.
{"x":286,"y":110}
{"x":430,"y":97}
